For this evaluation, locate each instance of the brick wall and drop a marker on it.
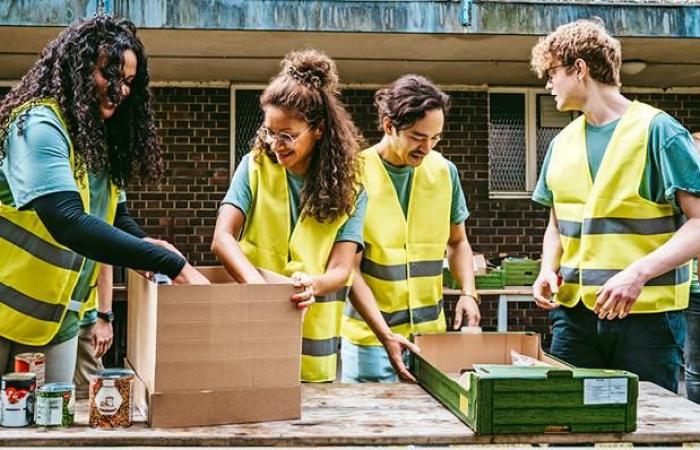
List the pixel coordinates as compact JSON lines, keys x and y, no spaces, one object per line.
{"x":194,"y":130}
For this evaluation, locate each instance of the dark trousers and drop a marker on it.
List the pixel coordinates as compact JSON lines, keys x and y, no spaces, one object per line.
{"x":692,"y":349}
{"x":650,"y":345}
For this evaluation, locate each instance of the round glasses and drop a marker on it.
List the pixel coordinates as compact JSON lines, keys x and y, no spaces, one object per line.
{"x":269,"y":137}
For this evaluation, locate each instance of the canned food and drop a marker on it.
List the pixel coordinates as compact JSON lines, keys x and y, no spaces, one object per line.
{"x":110,"y":398}
{"x":32,"y":362}
{"x":55,"y":405}
{"x":17,"y":399}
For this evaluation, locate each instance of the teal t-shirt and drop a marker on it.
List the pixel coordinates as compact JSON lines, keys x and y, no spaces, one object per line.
{"x":672,"y":164}
{"x":240,"y":196}
{"x":37,"y":163}
{"x":402,"y":179}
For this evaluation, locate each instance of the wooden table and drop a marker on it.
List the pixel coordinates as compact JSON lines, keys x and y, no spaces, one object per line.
{"x":509,"y":294}
{"x":369,"y":414}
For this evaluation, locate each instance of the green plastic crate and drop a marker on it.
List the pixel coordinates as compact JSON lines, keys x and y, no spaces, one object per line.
{"x":501,"y":399}
{"x":520,"y":271}
{"x":492,"y":280}
{"x":448,"y":280}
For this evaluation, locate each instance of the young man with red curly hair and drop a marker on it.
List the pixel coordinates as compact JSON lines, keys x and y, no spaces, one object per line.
{"x":623,"y":185}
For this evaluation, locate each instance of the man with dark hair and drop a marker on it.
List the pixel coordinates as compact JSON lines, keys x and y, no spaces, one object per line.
{"x":617,"y":250}
{"x":416,"y":210}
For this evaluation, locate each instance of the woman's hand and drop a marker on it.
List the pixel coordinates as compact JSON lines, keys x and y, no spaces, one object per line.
{"x":190,"y":275}
{"x":305,"y":283}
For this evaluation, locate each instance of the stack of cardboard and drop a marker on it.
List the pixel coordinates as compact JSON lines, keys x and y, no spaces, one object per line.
{"x":218,"y":354}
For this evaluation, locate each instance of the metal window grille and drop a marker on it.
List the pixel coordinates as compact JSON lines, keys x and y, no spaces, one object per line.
{"x":549,"y":123}
{"x":507,"y":148}
{"x":249,"y":117}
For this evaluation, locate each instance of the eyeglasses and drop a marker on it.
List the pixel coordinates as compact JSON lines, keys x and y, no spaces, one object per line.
{"x":285,"y":138}
{"x":549,"y":73}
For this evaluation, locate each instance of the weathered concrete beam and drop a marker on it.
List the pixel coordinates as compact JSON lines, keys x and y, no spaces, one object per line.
{"x":633,"y":18}
{"x":622,"y":18}
{"x":416,"y":16}
{"x":49,"y":12}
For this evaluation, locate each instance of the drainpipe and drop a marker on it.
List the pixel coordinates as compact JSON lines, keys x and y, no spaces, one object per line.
{"x":467,"y":11}
{"x":104,"y":7}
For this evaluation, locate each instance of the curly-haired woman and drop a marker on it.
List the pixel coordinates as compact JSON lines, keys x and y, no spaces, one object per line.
{"x":294,"y":205}
{"x":73,"y":133}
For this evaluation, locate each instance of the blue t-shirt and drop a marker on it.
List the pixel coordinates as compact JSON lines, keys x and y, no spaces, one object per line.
{"x":37,"y":164}
{"x":672,"y":164}
{"x":240,"y":195}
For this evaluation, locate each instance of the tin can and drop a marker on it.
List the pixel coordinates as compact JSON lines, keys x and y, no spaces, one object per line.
{"x":17,"y":399}
{"x":55,"y":405}
{"x":32,"y":362}
{"x":111,"y":392}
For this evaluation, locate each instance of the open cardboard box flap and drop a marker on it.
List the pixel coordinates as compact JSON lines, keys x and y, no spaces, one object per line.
{"x":454,"y":351}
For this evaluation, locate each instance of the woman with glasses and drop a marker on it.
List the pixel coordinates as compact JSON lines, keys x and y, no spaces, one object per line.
{"x":294,"y":205}
{"x":74,"y":132}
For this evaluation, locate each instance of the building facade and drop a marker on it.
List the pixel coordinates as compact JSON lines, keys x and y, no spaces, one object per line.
{"x":210,"y":59}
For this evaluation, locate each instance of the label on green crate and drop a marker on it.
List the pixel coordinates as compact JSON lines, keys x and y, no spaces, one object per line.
{"x":604,"y":391}
{"x":464,"y":405}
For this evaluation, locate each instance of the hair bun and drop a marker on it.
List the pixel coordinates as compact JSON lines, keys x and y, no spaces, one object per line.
{"x":311,"y":68}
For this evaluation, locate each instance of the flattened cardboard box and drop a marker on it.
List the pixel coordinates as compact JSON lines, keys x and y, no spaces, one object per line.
{"x":494,"y":397}
{"x":209,"y":355}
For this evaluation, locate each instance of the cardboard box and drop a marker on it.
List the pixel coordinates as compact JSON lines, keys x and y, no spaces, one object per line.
{"x":208,"y":355}
{"x":479,"y":264}
{"x":495,"y":397}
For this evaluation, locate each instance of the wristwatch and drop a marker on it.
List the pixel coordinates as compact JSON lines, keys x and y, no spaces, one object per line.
{"x":472,"y":294}
{"x":106,"y":316}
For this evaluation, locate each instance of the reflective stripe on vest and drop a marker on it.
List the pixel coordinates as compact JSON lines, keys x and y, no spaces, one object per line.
{"x":605,"y":225}
{"x":402,"y":262}
{"x":37,"y":274}
{"x":269,"y":243}
{"x":39,"y":248}
{"x":398,"y":272}
{"x":420,"y":315}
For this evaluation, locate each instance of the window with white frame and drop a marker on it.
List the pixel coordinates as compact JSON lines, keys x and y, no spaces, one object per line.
{"x":522,"y":122}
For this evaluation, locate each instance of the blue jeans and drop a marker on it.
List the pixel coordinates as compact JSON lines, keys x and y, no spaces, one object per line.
{"x":692,"y":349}
{"x":361,"y":363}
{"x":650,"y":345}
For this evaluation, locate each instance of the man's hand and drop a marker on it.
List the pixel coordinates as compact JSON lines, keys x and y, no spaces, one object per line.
{"x":305,"y":283}
{"x":617,"y":296}
{"x":394,"y":344}
{"x":546,"y":285}
{"x":102,"y":335}
{"x":466,"y":306}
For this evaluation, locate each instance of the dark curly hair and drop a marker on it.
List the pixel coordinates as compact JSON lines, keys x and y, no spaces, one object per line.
{"x":126,"y":145}
{"x":407,"y":99}
{"x":307,"y":84}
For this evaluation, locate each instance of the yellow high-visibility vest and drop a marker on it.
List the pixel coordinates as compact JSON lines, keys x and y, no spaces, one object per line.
{"x":402,"y":261}
{"x":37,"y":274}
{"x":269,"y":242}
{"x":605,"y":225}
